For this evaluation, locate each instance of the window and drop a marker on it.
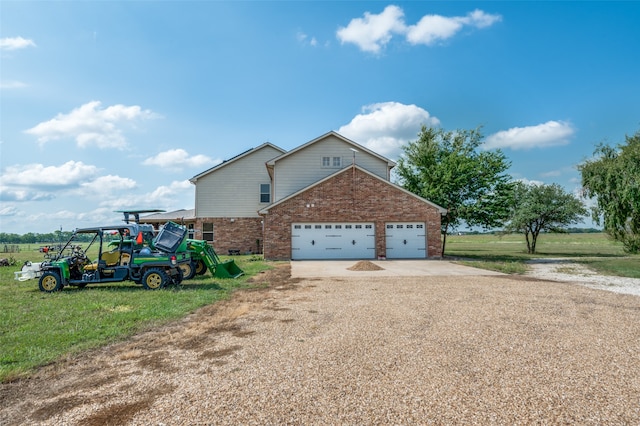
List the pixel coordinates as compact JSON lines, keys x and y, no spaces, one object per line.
{"x":207,"y":231}
{"x":265,"y":193}
{"x":297,"y":227}
{"x":327,"y":227}
{"x":191,"y":231}
{"x":332,"y":162}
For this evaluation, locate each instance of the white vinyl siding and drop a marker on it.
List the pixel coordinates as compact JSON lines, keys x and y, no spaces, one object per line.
{"x":234,"y":190}
{"x":305,"y":167}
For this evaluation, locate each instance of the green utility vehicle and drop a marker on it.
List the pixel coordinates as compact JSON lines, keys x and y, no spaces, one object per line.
{"x":119,"y":253}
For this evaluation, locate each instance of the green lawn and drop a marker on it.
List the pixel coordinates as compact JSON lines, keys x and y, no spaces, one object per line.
{"x":508,"y":253}
{"x":38,"y":328}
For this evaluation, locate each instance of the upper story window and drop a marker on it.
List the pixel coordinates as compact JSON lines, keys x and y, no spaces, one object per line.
{"x":333,"y":162}
{"x":265,"y":193}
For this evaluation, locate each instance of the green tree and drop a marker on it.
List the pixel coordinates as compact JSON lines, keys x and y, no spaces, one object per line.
{"x":613,"y":178}
{"x":538,"y":208}
{"x":449,"y":169}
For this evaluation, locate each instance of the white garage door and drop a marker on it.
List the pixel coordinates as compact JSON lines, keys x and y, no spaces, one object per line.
{"x":406,"y":240}
{"x":333,"y":241}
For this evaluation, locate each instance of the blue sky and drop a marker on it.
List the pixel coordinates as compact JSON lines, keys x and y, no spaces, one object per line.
{"x":115,"y":105}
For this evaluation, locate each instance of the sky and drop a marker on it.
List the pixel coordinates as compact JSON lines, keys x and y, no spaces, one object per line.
{"x":111,"y":105}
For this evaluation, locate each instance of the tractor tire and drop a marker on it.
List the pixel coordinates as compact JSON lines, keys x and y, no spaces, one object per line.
{"x":201,"y":268}
{"x":154,"y":279}
{"x":188,"y":270}
{"x":49,"y":282}
{"x":177,"y":279}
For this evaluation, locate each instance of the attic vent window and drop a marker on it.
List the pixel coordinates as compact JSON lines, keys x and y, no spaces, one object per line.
{"x":332,"y":162}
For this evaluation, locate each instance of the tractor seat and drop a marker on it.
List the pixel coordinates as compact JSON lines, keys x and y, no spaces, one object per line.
{"x":111,"y":258}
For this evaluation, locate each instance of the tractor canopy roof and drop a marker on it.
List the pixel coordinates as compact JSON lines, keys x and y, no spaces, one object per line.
{"x":129,"y":228}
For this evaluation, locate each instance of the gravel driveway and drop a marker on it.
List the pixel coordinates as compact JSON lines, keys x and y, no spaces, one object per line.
{"x":364,"y":350}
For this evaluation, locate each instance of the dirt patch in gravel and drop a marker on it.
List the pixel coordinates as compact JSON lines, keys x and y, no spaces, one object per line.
{"x":365,"y":265}
{"x":568,"y":270}
{"x":409,"y":350}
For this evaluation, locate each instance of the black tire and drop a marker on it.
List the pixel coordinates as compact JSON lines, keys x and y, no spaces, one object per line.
{"x":49,"y":282}
{"x":201,"y":268}
{"x":188,"y":270}
{"x":154,"y":279}
{"x":177,"y":279}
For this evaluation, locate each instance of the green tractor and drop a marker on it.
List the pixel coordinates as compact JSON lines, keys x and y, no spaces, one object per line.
{"x":118,"y":253}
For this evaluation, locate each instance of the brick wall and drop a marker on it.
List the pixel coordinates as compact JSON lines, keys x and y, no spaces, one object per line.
{"x":351,"y":196}
{"x":241,"y":233}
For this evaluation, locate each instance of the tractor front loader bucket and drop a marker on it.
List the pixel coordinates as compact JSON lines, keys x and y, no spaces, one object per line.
{"x":228,"y":269}
{"x":203,"y":251}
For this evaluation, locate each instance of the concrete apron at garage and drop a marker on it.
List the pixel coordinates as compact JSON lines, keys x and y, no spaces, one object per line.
{"x":392,"y":268}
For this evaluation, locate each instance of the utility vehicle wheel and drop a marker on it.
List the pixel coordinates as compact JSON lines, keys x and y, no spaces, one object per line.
{"x":188,"y":270}
{"x":50,"y":282}
{"x":201,"y":268}
{"x":154,"y":279}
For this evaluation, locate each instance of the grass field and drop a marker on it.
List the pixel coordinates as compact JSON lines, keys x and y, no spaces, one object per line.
{"x":38,"y":328}
{"x":509,"y":252}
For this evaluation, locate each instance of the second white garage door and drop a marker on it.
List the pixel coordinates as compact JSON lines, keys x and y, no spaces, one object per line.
{"x":406,"y":240}
{"x":333,"y":241}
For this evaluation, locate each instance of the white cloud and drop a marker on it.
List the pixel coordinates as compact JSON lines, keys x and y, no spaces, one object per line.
{"x":177,"y":159}
{"x":480,"y":19}
{"x":164,"y":197}
{"x":372,"y":32}
{"x":386,"y":127}
{"x":71,"y":173}
{"x":12,"y":84}
{"x":21,"y":194}
{"x":551,"y":133}
{"x":8,"y":211}
{"x":105,"y":185}
{"x":15,"y":43}
{"x":432,"y":28}
{"x":91,"y":125}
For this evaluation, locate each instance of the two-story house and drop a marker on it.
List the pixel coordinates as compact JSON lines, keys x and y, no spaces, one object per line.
{"x":330,"y":198}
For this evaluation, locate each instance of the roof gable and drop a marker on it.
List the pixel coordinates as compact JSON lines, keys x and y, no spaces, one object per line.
{"x":236,"y":158}
{"x":319,"y":139}
{"x":349,"y":169}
